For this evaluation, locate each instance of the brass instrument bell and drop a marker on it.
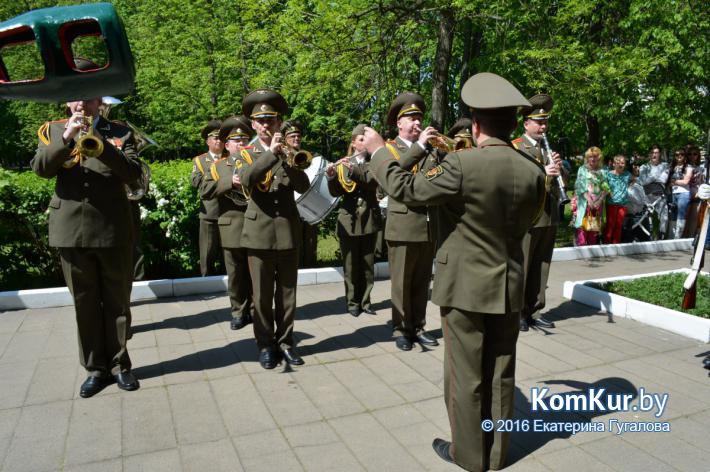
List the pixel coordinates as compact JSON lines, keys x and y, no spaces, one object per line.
{"x":88,"y":144}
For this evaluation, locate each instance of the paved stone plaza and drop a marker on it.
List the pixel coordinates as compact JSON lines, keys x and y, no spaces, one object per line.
{"x":205,"y":404}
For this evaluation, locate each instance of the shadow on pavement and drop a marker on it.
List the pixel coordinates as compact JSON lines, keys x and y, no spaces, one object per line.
{"x":243,"y":350}
{"x":524,"y":444}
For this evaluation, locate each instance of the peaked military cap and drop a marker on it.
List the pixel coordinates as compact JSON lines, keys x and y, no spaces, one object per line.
{"x":290,"y":127}
{"x":358,"y":130}
{"x":264,"y":103}
{"x":406,"y":103}
{"x":462,"y":127}
{"x":235,"y":127}
{"x":541,"y":106}
{"x":487,"y":90}
{"x":211,"y":129}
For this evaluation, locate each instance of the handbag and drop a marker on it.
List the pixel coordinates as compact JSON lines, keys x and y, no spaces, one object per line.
{"x":591,"y":222}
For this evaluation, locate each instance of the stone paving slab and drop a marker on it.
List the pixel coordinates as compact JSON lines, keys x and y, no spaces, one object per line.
{"x":358,"y":403}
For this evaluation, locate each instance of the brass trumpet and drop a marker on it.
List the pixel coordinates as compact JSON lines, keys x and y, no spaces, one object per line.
{"x":295,"y":157}
{"x":445,"y":144}
{"x":88,"y":144}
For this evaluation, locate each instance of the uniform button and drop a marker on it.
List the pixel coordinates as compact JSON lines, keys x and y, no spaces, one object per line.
{"x":276,"y":200}
{"x":277,"y":213}
{"x":86,"y":184}
{"x":86,"y":171}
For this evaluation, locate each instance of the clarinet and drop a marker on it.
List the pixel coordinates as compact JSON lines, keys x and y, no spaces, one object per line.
{"x":564,"y":199}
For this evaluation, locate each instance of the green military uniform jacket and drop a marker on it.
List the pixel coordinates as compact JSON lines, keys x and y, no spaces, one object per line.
{"x":359,"y":212}
{"x":89,"y":207}
{"x":410,"y":223}
{"x":209,"y":209}
{"x":551,"y":215}
{"x":271,"y":220}
{"x":490,"y":196}
{"x":231,"y":203}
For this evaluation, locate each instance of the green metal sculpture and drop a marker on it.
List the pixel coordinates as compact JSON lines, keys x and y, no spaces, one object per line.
{"x":54,"y":30}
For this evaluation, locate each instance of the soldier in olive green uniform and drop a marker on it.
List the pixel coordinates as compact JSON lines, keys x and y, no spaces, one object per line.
{"x":540,"y":241}
{"x":292,"y":132}
{"x":90,"y":224}
{"x":272,"y":228}
{"x":409,"y":231}
{"x":209,"y":209}
{"x":489,"y":197}
{"x":222,"y":184}
{"x":359,"y":220}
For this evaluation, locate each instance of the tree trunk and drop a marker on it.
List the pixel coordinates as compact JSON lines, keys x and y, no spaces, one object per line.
{"x":593,"y":132}
{"x":471,"y":50}
{"x":439,"y":98}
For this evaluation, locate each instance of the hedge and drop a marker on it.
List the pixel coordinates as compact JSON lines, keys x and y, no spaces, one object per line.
{"x":169,"y":228}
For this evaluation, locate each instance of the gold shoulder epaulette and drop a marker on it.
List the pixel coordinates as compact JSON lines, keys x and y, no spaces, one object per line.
{"x":198,"y":163}
{"x":43,"y":134}
{"x":246,"y":156}
{"x":213,"y":171}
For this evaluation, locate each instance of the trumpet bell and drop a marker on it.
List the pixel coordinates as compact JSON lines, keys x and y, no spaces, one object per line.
{"x":90,"y":146}
{"x":463,"y":143}
{"x":301,"y":160}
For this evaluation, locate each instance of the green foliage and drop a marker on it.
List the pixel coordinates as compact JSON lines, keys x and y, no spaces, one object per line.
{"x":623,"y":74}
{"x":169,"y":228}
{"x":665,"y":291}
{"x":169,"y":222}
{"x":26,"y":260}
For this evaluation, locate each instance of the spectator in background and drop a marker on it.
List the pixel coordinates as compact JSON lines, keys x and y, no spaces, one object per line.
{"x":653,"y":175}
{"x":618,"y":179}
{"x":692,"y":155}
{"x":591,"y":189}
{"x":681,"y":175}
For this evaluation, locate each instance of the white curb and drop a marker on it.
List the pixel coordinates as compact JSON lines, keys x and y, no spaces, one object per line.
{"x":626,"y":249}
{"x":677,"y":322}
{"x":163,"y":288}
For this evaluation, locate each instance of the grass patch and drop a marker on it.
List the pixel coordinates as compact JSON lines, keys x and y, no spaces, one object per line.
{"x":663,"y":290}
{"x":328,"y":251}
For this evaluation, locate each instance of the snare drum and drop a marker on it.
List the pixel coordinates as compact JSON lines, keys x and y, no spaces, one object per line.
{"x":316,"y":202}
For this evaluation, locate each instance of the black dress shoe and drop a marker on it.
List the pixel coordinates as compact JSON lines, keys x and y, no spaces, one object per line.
{"x":369,"y":311}
{"x":524,"y":325}
{"x":127,"y":381}
{"x":427,"y":339}
{"x":706,"y":362}
{"x":291,"y":356}
{"x":403,"y":343}
{"x":240,"y":321}
{"x":542,"y":323}
{"x":268,"y":358}
{"x":442,"y":449}
{"x":354,"y":312}
{"x":91,"y":386}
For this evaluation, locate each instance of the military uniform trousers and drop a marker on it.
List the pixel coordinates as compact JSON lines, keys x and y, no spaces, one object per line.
{"x":479,"y":383}
{"x":410,"y":274}
{"x":99,"y":280}
{"x":209,"y":247}
{"x":238,"y":281}
{"x":358,"y":254}
{"x":538,"y":246}
{"x":265,"y":267}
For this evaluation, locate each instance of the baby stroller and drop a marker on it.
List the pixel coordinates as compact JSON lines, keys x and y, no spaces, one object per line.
{"x":638,"y":223}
